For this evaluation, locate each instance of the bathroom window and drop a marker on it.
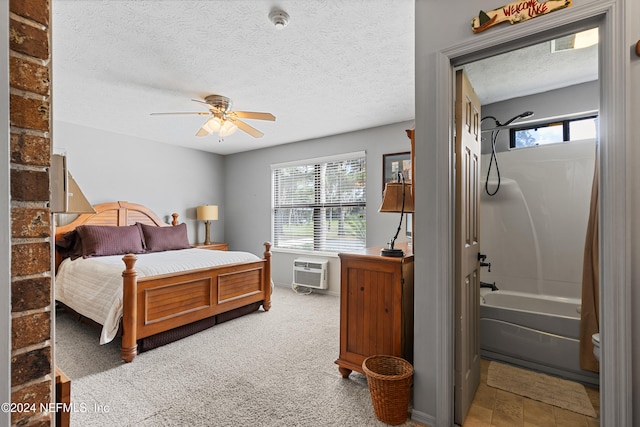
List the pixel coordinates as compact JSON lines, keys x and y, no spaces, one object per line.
{"x":554,"y":132}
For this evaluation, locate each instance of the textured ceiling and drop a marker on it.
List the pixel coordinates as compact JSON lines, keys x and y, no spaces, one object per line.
{"x":531,"y":70}
{"x":339,"y":66}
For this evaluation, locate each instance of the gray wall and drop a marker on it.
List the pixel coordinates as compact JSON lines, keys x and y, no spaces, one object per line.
{"x":111,"y":167}
{"x":168,"y":179}
{"x":247,"y":204}
{"x":554,"y":103}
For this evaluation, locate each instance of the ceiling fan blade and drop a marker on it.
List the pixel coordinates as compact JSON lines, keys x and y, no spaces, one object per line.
{"x":254,"y":115}
{"x":200,"y":113}
{"x":247,"y":128}
{"x":202,"y":132}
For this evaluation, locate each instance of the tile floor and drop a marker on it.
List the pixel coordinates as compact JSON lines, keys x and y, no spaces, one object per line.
{"x":492,"y":407}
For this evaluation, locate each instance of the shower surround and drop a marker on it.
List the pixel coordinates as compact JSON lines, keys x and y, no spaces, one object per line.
{"x":533,"y":231}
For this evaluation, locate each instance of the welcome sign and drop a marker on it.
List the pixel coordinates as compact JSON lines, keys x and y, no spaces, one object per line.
{"x":518,"y":11}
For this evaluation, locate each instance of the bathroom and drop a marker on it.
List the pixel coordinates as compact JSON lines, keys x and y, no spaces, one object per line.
{"x":535,"y":207}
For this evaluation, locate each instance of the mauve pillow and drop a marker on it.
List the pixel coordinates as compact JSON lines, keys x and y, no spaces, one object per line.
{"x":69,"y":245}
{"x":103,"y":240}
{"x":159,"y":239}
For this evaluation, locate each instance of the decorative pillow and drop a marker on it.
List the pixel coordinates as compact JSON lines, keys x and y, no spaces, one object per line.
{"x":159,"y":239}
{"x":69,"y":245}
{"x":103,"y":240}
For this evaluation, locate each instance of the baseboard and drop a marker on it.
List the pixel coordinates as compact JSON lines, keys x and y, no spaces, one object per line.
{"x":422,"y":418}
{"x":315,"y":291}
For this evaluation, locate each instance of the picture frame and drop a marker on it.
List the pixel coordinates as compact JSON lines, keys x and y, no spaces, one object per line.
{"x":392,"y":164}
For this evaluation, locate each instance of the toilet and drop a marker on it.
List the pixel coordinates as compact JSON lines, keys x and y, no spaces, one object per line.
{"x":595,"y":339}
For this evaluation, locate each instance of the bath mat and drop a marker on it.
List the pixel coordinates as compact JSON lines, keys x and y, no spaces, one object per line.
{"x":544,"y":388}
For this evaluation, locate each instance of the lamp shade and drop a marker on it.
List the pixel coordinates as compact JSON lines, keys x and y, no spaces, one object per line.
{"x":77,"y":202}
{"x":392,"y":199}
{"x":207,"y":213}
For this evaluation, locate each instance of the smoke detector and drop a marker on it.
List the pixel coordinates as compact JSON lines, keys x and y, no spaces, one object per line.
{"x":279,"y":18}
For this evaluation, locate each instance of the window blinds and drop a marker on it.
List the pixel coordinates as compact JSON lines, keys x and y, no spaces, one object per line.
{"x":320,"y":204}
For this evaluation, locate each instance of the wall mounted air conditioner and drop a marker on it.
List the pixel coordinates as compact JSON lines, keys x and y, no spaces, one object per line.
{"x":310,"y":273}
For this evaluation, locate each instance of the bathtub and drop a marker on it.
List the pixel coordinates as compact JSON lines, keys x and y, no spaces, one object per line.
{"x":533,"y":331}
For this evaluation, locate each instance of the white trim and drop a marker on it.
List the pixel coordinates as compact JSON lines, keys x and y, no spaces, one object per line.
{"x":305,"y":253}
{"x":326,"y":159}
{"x":5,"y":222}
{"x":616,"y":390}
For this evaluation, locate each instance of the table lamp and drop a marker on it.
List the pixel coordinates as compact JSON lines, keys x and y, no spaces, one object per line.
{"x":398,"y":197}
{"x":207,"y":213}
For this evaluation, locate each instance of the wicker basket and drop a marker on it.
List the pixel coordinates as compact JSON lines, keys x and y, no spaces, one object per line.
{"x":389,"y":381}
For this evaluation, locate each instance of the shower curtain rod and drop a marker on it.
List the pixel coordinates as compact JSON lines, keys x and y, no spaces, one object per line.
{"x":543,"y":120}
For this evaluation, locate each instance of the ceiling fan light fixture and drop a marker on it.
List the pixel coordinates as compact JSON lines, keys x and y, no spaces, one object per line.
{"x":212,"y":125}
{"x":227,"y":129}
{"x":586,"y":38}
{"x":223,"y":120}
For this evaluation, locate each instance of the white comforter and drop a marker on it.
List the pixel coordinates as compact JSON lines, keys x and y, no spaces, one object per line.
{"x":93,"y":286}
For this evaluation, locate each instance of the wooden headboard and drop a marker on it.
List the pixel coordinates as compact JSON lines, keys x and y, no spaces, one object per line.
{"x":114,"y":214}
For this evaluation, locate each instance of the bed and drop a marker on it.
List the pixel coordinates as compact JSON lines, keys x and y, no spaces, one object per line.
{"x":149,"y":297}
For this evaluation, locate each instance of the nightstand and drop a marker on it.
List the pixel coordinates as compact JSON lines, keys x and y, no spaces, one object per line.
{"x":216,"y":246}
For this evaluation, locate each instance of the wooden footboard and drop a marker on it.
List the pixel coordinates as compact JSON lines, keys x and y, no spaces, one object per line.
{"x":159,"y":303}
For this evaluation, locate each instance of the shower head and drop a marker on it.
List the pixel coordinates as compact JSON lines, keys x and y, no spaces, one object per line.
{"x":519,"y":116}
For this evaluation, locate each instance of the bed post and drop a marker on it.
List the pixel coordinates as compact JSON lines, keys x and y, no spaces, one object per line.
{"x":129,"y":348}
{"x":175,"y":219}
{"x":266,"y":304}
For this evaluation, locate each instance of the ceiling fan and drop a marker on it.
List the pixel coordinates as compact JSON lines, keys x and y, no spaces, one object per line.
{"x":223,"y":120}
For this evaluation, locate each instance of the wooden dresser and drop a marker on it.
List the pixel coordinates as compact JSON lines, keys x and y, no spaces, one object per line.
{"x":376,"y":307}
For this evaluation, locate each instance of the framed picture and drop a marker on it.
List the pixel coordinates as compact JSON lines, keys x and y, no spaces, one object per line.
{"x":394,"y":163}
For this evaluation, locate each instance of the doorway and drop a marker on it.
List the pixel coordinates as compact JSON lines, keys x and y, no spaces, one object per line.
{"x":534,"y":206}
{"x":614,"y":380}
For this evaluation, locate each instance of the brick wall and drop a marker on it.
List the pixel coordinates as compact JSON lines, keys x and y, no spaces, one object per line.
{"x":32,"y":378}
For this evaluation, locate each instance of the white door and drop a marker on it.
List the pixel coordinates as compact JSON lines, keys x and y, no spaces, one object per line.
{"x":467,"y":273}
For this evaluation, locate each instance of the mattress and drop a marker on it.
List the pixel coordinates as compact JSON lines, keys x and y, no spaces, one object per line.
{"x":93,"y":286}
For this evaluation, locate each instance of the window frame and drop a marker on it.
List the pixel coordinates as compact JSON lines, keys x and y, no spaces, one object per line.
{"x":566,"y":123}
{"x":319,"y":237}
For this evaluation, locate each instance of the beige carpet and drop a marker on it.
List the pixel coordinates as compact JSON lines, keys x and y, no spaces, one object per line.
{"x":266,"y":369}
{"x":544,"y":388}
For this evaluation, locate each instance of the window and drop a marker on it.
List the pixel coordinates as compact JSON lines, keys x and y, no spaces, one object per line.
{"x":553,"y":132}
{"x":320,"y":204}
